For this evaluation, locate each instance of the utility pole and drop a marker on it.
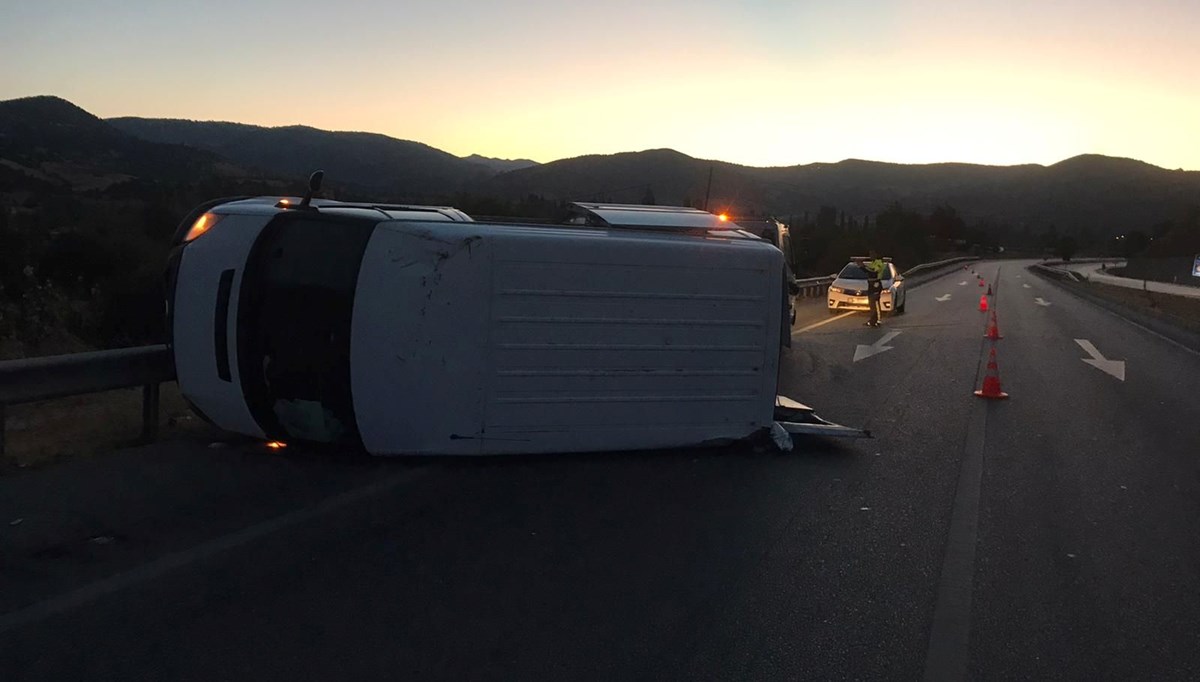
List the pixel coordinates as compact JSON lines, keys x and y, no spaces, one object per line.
{"x":708,"y":190}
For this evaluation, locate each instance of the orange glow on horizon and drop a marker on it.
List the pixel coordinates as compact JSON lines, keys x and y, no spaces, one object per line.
{"x":896,"y":81}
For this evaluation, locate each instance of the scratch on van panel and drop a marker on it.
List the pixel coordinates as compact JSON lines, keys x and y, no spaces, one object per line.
{"x":464,"y":244}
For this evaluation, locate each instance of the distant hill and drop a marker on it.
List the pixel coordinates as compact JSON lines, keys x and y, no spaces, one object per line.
{"x":500,"y":165}
{"x":381,"y":165}
{"x":1095,"y":193}
{"x":49,"y":142}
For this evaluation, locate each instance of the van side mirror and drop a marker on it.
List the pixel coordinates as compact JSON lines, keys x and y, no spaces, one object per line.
{"x":314,"y":186}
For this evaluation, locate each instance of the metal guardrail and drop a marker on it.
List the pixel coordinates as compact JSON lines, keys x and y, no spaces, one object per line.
{"x":815,"y":287}
{"x":60,"y":376}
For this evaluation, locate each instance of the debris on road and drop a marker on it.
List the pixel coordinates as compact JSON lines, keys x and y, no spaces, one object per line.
{"x":783,"y":439}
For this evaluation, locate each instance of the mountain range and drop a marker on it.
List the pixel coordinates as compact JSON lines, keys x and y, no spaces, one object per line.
{"x":49,"y":140}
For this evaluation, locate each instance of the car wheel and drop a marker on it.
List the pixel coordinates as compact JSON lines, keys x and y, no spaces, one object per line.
{"x":900,"y":310}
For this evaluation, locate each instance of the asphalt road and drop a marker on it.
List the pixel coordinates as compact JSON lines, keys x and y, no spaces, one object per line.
{"x":1048,"y":536}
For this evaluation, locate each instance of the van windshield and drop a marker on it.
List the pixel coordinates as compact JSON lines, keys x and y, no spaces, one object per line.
{"x":296,"y":326}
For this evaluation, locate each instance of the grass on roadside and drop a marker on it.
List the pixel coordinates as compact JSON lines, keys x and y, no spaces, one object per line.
{"x":42,"y":433}
{"x":1179,"y":310}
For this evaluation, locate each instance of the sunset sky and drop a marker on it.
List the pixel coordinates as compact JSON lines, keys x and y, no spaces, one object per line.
{"x":758,"y":82}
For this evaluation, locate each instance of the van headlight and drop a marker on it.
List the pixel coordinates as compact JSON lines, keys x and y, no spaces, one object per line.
{"x":203,"y":224}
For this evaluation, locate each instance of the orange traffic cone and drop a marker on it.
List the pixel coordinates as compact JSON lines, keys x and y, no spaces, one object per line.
{"x":991,"y":380}
{"x":989,"y":290}
{"x":980,"y":281}
{"x":993,"y":332}
{"x":983,"y":303}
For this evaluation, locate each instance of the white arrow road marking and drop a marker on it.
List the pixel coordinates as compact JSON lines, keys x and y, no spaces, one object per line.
{"x":1114,"y":367}
{"x":962,"y":283}
{"x":942,"y":299}
{"x":1026,"y":286}
{"x":863,"y":352}
{"x":1041,"y":301}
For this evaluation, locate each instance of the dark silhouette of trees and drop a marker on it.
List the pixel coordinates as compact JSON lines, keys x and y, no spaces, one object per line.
{"x":1066,"y":247}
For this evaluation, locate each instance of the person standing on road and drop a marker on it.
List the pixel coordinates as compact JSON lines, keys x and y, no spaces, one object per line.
{"x":874,"y":267}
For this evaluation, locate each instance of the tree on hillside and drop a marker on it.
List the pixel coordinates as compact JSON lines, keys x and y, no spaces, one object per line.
{"x":648,"y":197}
{"x":945,"y":223}
{"x":1066,"y":247}
{"x":1050,"y":237}
{"x":901,"y":234}
{"x":827,"y":218}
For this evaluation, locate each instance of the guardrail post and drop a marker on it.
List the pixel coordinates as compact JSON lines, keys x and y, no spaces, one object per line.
{"x":150,"y":413}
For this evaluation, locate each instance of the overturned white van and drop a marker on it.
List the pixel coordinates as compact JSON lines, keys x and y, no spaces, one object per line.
{"x":416,"y":330}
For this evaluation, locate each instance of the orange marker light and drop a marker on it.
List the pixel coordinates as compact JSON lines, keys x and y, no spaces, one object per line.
{"x":203,"y":224}
{"x":284,"y":202}
{"x":723,"y":218}
{"x":276,"y":445}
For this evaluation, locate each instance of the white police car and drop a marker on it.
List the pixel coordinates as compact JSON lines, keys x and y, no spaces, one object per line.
{"x":849,"y":289}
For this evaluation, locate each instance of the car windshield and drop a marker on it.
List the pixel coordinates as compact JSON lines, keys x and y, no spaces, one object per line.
{"x":854,"y":271}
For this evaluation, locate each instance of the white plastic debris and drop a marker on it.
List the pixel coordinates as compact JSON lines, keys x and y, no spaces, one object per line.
{"x":783,"y":439}
{"x":16,"y":522}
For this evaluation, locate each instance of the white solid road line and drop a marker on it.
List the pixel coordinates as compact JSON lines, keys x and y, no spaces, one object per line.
{"x":205,"y":550}
{"x":814,"y":325}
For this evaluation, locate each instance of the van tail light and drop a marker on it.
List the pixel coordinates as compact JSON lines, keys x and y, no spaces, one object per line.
{"x":203,"y":224}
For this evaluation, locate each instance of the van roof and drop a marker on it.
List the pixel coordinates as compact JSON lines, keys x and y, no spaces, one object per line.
{"x":389,"y":211}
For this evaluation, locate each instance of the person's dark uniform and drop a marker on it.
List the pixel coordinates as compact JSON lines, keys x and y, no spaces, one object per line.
{"x":874,"y":268}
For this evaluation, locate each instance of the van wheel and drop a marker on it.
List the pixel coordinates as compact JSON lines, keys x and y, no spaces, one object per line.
{"x":900,"y":310}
